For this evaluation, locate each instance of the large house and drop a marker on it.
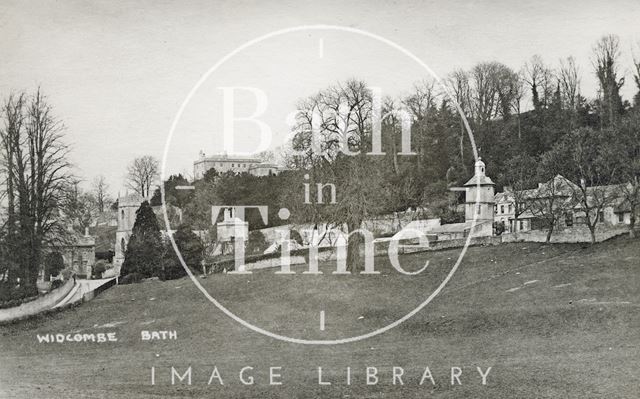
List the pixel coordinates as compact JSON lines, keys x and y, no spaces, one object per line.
{"x":562,"y":195}
{"x":223,"y":163}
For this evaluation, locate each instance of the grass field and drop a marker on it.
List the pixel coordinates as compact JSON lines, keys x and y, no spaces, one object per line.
{"x":557,"y":321}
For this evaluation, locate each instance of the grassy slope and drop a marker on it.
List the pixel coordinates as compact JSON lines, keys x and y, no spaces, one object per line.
{"x":545,"y":339}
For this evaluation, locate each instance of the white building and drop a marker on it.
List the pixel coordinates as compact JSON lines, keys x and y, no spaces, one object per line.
{"x":570,"y":210}
{"x":223,"y":163}
{"x":264,"y":169}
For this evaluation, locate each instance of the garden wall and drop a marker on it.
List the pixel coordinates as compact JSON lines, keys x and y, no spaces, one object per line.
{"x":41,"y":304}
{"x":578,"y":234}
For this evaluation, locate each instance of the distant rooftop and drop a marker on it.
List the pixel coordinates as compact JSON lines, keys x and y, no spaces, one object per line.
{"x":224,"y":157}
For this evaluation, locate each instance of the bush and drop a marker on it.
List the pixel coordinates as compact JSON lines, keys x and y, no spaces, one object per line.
{"x":191,"y":249}
{"x":144,"y":250}
{"x":171,"y":267}
{"x":14,"y":296}
{"x":132,"y":278}
{"x":54,"y":263}
{"x":100,"y":267}
{"x":295,"y":235}
{"x":257,"y":242}
{"x":56,"y":284}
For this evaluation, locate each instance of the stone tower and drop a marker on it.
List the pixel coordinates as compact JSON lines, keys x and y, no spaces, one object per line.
{"x":479,"y":201}
{"x":127,"y":207}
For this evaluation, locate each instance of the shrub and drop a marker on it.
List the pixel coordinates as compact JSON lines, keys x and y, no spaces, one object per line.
{"x":54,"y":263}
{"x":132,"y":278}
{"x":100,"y":267}
{"x":144,"y":251}
{"x":295,"y":235}
{"x":56,"y":284}
{"x":191,"y":249}
{"x":14,"y":296}
{"x":257,"y":242}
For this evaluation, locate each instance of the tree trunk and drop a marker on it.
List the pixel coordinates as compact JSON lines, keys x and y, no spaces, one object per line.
{"x":353,"y":248}
{"x":632,"y":223}
{"x":549,"y":232}
{"x":592,"y":231}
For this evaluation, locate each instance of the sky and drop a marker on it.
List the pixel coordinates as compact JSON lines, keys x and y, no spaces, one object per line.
{"x":117,"y":73}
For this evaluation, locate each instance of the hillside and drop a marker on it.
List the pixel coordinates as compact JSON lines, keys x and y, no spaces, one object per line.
{"x":551,"y":321}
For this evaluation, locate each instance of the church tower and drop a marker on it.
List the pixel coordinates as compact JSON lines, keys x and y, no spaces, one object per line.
{"x":127,"y":207}
{"x":479,"y":201}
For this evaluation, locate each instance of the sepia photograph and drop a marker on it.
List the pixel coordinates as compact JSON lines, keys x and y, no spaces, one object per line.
{"x":319,"y":199}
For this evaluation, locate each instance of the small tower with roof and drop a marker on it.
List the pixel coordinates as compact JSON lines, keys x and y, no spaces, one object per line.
{"x":479,"y":201}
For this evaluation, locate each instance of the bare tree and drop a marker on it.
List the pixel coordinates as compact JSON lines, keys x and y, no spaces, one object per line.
{"x":142,"y":173}
{"x":593,"y":165}
{"x":540,"y":79}
{"x":519,"y":177}
{"x":569,"y":80}
{"x":458,"y":82}
{"x":79,"y":208}
{"x":518,"y":95}
{"x":606,"y":54}
{"x":550,"y":202}
{"x":37,"y":172}
{"x":100,"y":192}
{"x":484,"y":92}
{"x":421,"y":105}
{"x":636,"y":78}
{"x":344,"y":127}
{"x":629,"y":157}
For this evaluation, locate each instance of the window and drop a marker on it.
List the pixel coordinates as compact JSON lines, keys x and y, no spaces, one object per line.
{"x":233,"y":165}
{"x":621,"y":217}
{"x":501,"y":208}
{"x":522,"y":225}
{"x":601,"y":216}
{"x":568,"y":219}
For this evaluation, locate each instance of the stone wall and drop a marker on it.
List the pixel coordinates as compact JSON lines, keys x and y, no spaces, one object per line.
{"x":36,"y":306}
{"x":576,"y":234}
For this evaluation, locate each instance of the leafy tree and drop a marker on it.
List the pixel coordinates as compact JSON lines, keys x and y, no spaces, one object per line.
{"x":143,"y":254}
{"x":173,"y":196}
{"x":191,"y":249}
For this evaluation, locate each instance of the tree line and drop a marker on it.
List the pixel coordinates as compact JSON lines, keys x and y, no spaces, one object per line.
{"x":593,"y":142}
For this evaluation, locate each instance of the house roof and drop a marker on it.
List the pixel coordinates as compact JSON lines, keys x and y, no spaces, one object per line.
{"x":479,"y":180}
